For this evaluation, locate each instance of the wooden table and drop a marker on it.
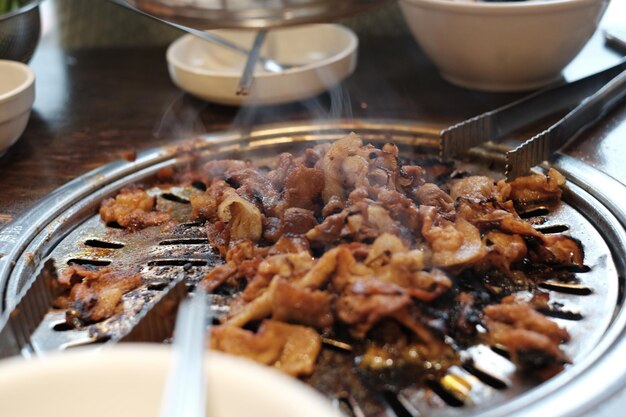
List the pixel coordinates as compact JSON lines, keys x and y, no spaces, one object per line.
{"x":94,"y":105}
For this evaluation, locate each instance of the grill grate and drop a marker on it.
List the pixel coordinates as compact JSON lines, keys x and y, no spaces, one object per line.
{"x":484,"y":383}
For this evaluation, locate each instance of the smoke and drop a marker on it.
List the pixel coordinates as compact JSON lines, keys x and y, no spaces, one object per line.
{"x":181,"y":118}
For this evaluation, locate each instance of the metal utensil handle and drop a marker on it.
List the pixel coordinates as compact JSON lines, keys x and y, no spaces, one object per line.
{"x":589,"y":111}
{"x":269,"y":64}
{"x":540,"y":147}
{"x":616,"y":39}
{"x":185,"y":392}
{"x":245,"y":83}
{"x":547,"y":102}
{"x":501,"y":122}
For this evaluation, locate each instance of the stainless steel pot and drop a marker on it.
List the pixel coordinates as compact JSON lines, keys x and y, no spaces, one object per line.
{"x":19,"y":32}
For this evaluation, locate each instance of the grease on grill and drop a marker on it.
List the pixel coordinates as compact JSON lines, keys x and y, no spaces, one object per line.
{"x":392,"y":359}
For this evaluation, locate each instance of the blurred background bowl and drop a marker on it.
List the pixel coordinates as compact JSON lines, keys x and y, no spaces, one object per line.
{"x":19,"y":32}
{"x":17,"y":94}
{"x":128,"y":381}
{"x":502,"y":46}
{"x":323,"y":55}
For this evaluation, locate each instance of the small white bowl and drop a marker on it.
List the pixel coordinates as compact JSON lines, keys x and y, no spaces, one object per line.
{"x":128,"y":381}
{"x":17,"y":94}
{"x":510,"y":46}
{"x":324,"y":54}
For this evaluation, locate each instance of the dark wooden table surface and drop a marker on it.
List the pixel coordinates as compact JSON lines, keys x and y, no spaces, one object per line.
{"x":94,"y":105}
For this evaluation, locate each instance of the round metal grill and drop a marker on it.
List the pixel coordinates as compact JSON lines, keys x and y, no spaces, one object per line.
{"x":65,"y":227}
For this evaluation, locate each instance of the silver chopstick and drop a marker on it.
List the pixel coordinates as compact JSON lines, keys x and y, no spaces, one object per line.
{"x":270,"y":65}
{"x":245,"y":83}
{"x":185,"y":393}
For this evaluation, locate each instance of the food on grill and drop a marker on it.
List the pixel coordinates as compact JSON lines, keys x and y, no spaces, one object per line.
{"x":132,"y":208}
{"x":531,"y":338}
{"x":92,"y":296}
{"x":407,"y":262}
{"x":291,"y":348}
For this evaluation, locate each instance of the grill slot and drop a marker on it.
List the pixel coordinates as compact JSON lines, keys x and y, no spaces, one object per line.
{"x":575,"y":289}
{"x":534,"y":212}
{"x":62,"y":327}
{"x":185,"y":263}
{"x":190,"y":241}
{"x":562,"y":314}
{"x":348,"y":405}
{"x":95,"y":243}
{"x":175,"y":198}
{"x":157,"y":286}
{"x":89,"y":262}
{"x":400,"y":408}
{"x":448,"y":397}
{"x":484,"y":376}
{"x":501,"y":350}
{"x":578,"y":269}
{"x":552,"y":229}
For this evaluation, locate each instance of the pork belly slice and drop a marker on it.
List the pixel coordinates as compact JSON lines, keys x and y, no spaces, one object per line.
{"x":453,"y":243}
{"x":95,"y":296}
{"x":248,"y":263}
{"x":132,"y":209}
{"x":261,"y":306}
{"x":531,"y":338}
{"x":533,"y":190}
{"x":479,"y":188}
{"x":431,"y":195}
{"x":290,"y":348}
{"x":366,"y":302}
{"x":562,"y":250}
{"x":302,"y":306}
{"x":303,"y":187}
{"x":243,"y":218}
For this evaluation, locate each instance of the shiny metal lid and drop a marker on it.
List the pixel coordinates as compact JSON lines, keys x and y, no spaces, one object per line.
{"x":253,"y":14}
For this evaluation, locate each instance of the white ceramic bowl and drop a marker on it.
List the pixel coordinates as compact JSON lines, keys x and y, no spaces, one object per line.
{"x":17,"y":94}
{"x":325,"y":55}
{"x":128,"y":381}
{"x":509,"y":46}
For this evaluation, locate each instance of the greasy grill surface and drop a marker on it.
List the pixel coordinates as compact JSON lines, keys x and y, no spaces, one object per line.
{"x":485,"y":378}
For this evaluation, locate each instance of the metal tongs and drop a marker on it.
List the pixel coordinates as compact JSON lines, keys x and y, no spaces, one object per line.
{"x":17,"y":324}
{"x":589,"y":99}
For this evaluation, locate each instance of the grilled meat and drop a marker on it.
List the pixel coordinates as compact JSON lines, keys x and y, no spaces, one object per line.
{"x":347,"y":240}
{"x":93,"y":296}
{"x":292,"y":349}
{"x":132,"y":209}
